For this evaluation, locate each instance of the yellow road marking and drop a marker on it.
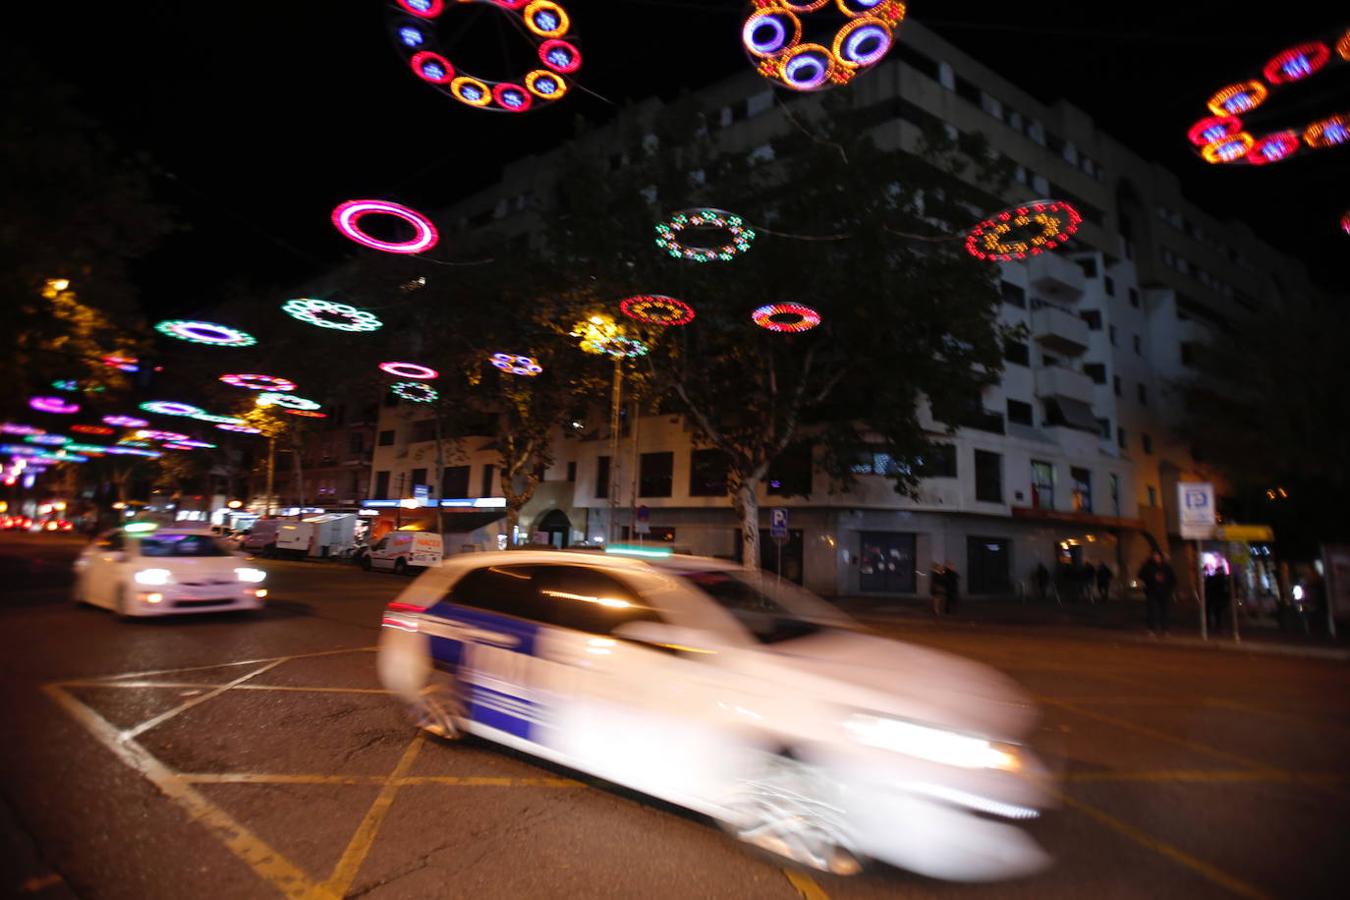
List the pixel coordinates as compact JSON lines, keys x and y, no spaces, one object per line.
{"x":1200,"y":867}
{"x":345,"y":872}
{"x":269,"y":865}
{"x":492,"y":781}
{"x":805,"y":885}
{"x":306,"y":689}
{"x":242,"y":662}
{"x":1161,"y":735}
{"x":195,"y":701}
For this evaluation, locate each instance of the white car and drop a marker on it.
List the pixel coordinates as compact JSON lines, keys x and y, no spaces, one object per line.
{"x":729,"y":693}
{"x":145,"y":570}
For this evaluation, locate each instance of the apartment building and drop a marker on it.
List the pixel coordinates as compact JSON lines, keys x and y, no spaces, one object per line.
{"x":1075,"y":457}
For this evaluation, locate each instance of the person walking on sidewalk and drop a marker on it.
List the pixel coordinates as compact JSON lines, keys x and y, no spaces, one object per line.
{"x":937,"y":588}
{"x":1104,"y":576}
{"x":1159,"y":582}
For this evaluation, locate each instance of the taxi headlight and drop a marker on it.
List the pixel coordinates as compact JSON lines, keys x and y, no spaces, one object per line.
{"x":253,"y":576}
{"x":153,"y":576}
{"x":933,"y":744}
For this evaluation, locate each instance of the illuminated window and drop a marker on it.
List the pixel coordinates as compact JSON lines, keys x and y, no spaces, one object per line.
{"x":1082,"y":489}
{"x":1042,"y":485}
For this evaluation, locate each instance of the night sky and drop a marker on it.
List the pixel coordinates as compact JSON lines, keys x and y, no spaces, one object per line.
{"x":263,"y":116}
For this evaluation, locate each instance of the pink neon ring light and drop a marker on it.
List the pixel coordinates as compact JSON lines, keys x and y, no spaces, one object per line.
{"x":408,"y":370}
{"x":53,"y":405}
{"x":347,"y":218}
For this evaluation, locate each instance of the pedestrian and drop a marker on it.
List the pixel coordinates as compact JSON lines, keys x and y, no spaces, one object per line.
{"x":1159,"y":581}
{"x":937,"y":588}
{"x":953,"y":584}
{"x":1216,"y":599}
{"x":1104,"y":576}
{"x":1042,"y":579}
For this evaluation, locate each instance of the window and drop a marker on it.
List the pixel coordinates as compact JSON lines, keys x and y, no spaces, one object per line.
{"x":1152,"y":495}
{"x":510,"y":590}
{"x":1115,"y":493}
{"x":655,"y":474}
{"x":1095,"y":371}
{"x":1042,"y":485}
{"x":387,"y":438}
{"x":1148,"y":443}
{"x":1082,"y":489}
{"x":1115,"y":385}
{"x":1134,"y":297}
{"x":1020,"y":412}
{"x":382,"y":485}
{"x":1014,"y":295}
{"x":1016,"y":353}
{"x":790,"y":474}
{"x":988,"y":476}
{"x":455,"y":481}
{"x":1138,"y":345}
{"x":487,"y":482}
{"x":1120,"y":438}
{"x":423,"y":430}
{"x":939,"y":462}
{"x":770,"y":615}
{"x":872,"y":463}
{"x":1110,"y":285}
{"x":1142,"y":392}
{"x":571,"y":472}
{"x":707,"y":473}
{"x":1093,"y":318}
{"x":160,"y":545}
{"x":419,"y":476}
{"x":586,"y":599}
{"x":1112,"y":332}
{"x":1104,"y":428}
{"x":356,"y":442}
{"x":1089,"y":266}
{"x":602,"y":477}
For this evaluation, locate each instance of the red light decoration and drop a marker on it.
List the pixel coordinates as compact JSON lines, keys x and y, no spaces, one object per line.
{"x":1213,"y":128}
{"x":306,"y":413}
{"x":786,"y":318}
{"x":1236,"y":99}
{"x":125,"y":363}
{"x":347,"y":218}
{"x":657,"y":309}
{"x":1273,"y":148}
{"x":1332,"y":131}
{"x":1343,"y":46}
{"x":1345,"y":222}
{"x":545,"y":23}
{"x":91,"y":429}
{"x":789,"y":46}
{"x":1297,"y":63}
{"x":410,"y":371}
{"x":258,"y":382}
{"x":1024,"y":231}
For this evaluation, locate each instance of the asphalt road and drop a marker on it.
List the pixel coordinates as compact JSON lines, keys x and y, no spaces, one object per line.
{"x":254,"y":756}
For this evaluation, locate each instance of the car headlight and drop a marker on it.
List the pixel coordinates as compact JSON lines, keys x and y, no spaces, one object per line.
{"x":933,"y":744}
{"x":153,"y":576}
{"x":252,"y":576}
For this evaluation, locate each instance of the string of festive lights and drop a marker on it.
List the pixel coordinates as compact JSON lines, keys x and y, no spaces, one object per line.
{"x":213,"y":419}
{"x":18,"y":428}
{"x":124,"y":422}
{"x":172,"y":408}
{"x":415,"y":391}
{"x":1345,"y":222}
{"x":412,"y":24}
{"x":124,"y":363}
{"x":258,"y":382}
{"x":512,"y":364}
{"x":327,"y":314}
{"x":1022,"y":232}
{"x":239,"y":429}
{"x":411,"y":371}
{"x":1273,"y":148}
{"x":208,"y":333}
{"x":48,"y":440}
{"x":657,"y":309}
{"x":347,"y":219}
{"x":1329,"y":132}
{"x":741,"y":235}
{"x":286,"y":401}
{"x":829,"y":49}
{"x":91,"y":429}
{"x":54,"y":405}
{"x":787,"y":318}
{"x":306,"y":413}
{"x":153,"y":434}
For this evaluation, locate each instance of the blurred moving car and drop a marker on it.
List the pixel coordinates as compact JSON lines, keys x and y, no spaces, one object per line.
{"x":16,"y":523}
{"x":730,"y":693}
{"x":142,"y":570}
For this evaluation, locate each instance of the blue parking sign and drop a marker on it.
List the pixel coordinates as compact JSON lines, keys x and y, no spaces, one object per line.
{"x":778,"y":522}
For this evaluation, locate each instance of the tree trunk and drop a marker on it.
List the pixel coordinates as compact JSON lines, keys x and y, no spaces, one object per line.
{"x":298,"y":466}
{"x":745,"y":500}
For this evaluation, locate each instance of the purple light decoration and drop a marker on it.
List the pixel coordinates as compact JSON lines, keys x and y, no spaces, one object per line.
{"x":125,"y":422}
{"x":853,"y":45}
{"x":15,"y":428}
{"x":239,"y":429}
{"x":51,"y":440}
{"x":347,"y":218}
{"x":54,"y":405}
{"x":765,"y":34}
{"x":208,"y":333}
{"x":806,"y":69}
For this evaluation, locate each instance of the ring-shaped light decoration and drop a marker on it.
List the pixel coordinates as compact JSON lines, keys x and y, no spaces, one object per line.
{"x":1343,"y":46}
{"x":1213,"y":128}
{"x":512,"y":364}
{"x":327,"y":314}
{"x":740,"y":235}
{"x":198,"y":445}
{"x":545,"y":24}
{"x":796,"y":49}
{"x":258,"y":382}
{"x":125,"y":422}
{"x":788,"y":318}
{"x":213,"y":419}
{"x":286,"y":401}
{"x":1297,"y":63}
{"x":123,"y":363}
{"x":347,"y":219}
{"x":1333,"y":131}
{"x":209,"y":333}
{"x":177,"y":446}
{"x":1023,"y":231}
{"x":48,"y":440}
{"x":66,"y":384}
{"x":90,"y":449}
{"x":410,"y":371}
{"x":91,"y":429}
{"x":1236,"y":99}
{"x":172,"y":408}
{"x":18,"y":428}
{"x":306,"y":413}
{"x":415,"y":391}
{"x":154,"y":434}
{"x":239,"y":429}
{"x":1273,"y":148}
{"x":1228,"y":150}
{"x":657,"y":309}
{"x":54,"y":405}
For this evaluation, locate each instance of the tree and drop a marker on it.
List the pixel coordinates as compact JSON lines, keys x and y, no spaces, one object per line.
{"x":860,"y":233}
{"x":1268,"y":409}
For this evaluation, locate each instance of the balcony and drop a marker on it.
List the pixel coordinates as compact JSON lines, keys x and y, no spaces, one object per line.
{"x":1058,"y":381}
{"x":1056,"y":277}
{"x":1059,"y":331}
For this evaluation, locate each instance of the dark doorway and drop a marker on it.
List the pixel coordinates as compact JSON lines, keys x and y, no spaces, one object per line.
{"x":988,"y":565}
{"x":794,"y":567}
{"x":557,"y":526}
{"x":886,"y":562}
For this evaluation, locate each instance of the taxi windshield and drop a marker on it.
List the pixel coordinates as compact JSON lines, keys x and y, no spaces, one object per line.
{"x":160,"y":545}
{"x":768,"y":608}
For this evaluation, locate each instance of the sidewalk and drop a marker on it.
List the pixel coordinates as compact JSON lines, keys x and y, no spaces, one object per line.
{"x":1119,"y":620}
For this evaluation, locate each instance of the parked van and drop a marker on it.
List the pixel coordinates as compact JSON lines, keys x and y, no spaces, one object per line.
{"x":400,"y":551}
{"x":262,"y":537}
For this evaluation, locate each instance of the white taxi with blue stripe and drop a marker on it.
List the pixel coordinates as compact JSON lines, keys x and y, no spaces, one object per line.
{"x":730,"y":693}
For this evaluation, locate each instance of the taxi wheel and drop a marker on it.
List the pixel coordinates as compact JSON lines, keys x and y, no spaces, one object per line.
{"x":400,"y":566}
{"x":439,"y":709}
{"x":784,"y":808}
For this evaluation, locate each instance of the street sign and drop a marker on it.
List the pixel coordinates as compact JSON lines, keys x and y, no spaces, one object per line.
{"x":778,"y":523}
{"x":643,"y":524}
{"x":1195,"y":510}
{"x":422,"y":494}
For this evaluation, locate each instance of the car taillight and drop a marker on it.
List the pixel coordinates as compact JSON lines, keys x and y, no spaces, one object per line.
{"x":402,"y":616}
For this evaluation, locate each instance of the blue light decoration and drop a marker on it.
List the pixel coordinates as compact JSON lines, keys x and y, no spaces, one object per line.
{"x":411,"y":37}
{"x":50,"y":440}
{"x":65,"y":384}
{"x":791,"y":46}
{"x":415,"y":391}
{"x":1273,"y":148}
